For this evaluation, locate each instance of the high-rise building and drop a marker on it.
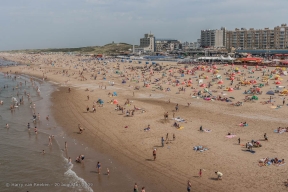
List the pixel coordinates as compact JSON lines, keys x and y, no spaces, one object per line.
{"x":213,"y":38}
{"x":266,"y":38}
{"x":148,"y":42}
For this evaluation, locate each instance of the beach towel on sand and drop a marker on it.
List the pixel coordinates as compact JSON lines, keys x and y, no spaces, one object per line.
{"x":178,"y":119}
{"x":230,"y":136}
{"x":180,"y":128}
{"x":207,"y":130}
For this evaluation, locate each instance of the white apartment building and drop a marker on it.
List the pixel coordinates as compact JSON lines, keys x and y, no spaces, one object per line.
{"x":213,"y":38}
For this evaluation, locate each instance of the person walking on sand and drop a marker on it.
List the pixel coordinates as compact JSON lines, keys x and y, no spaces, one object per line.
{"x":69,"y":90}
{"x":189,"y":185}
{"x":66,"y":145}
{"x":98,"y":167}
{"x":162,"y":141}
{"x":283,"y":101}
{"x":174,"y":137}
{"x":28,"y":126}
{"x":135,"y":188}
{"x":36,"y":130}
{"x":265,"y":137}
{"x":50,"y":141}
{"x":176,"y":107}
{"x":108,"y":171}
{"x":167,"y":137}
{"x":239,"y":140}
{"x":87,"y":97}
{"x":143,"y":189}
{"x":200,"y":173}
{"x":154,"y":154}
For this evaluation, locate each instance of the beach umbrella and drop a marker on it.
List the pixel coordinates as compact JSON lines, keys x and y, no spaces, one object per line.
{"x":278,"y":82}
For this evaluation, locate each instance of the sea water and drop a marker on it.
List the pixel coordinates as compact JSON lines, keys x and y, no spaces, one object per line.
{"x":24,"y":167}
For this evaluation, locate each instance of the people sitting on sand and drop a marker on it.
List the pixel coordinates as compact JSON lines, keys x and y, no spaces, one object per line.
{"x":148,"y":128}
{"x":177,"y":125}
{"x":263,"y":162}
{"x":243,"y":124}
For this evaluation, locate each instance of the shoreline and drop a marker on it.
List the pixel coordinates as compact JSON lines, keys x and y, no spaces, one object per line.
{"x":177,"y":162}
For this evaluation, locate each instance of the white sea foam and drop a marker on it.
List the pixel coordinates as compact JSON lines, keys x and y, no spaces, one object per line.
{"x":77,"y":182}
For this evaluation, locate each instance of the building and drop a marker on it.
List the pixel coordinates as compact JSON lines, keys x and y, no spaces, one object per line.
{"x":190,"y":45}
{"x":164,"y":45}
{"x":148,"y":42}
{"x":266,"y":38}
{"x":213,"y":38}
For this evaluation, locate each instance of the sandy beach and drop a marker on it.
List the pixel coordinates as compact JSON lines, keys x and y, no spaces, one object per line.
{"x":148,"y":93}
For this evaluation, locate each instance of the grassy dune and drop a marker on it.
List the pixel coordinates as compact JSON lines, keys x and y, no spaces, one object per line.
{"x":109,"y":49}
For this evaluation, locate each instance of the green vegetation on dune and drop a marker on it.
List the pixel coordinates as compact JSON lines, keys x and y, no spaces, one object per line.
{"x":109,"y":49}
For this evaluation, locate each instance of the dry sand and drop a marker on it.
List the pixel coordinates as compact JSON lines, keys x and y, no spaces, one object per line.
{"x":176,"y":162}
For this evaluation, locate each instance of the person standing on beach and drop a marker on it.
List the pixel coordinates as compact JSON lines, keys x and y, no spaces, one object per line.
{"x":189,"y":185}
{"x":65,"y":145}
{"x":174,"y":137}
{"x":177,"y":107}
{"x":154,"y":154}
{"x":28,"y":126}
{"x":35,"y":130}
{"x":200,"y":173}
{"x":98,"y":167}
{"x":167,"y":137}
{"x":265,"y":137}
{"x":239,"y":140}
{"x":87,"y":97}
{"x":69,"y":90}
{"x":283,"y":101}
{"x":135,"y":188}
{"x":50,"y":141}
{"x":162,"y":141}
{"x":143,"y":189}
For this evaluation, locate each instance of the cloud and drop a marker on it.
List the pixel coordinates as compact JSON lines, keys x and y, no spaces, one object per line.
{"x":54,"y":23}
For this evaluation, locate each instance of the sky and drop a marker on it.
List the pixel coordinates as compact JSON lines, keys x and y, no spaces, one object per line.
{"x":38,"y":24}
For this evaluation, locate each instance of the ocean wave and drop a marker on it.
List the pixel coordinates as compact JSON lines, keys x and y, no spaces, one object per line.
{"x":76,"y":182}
